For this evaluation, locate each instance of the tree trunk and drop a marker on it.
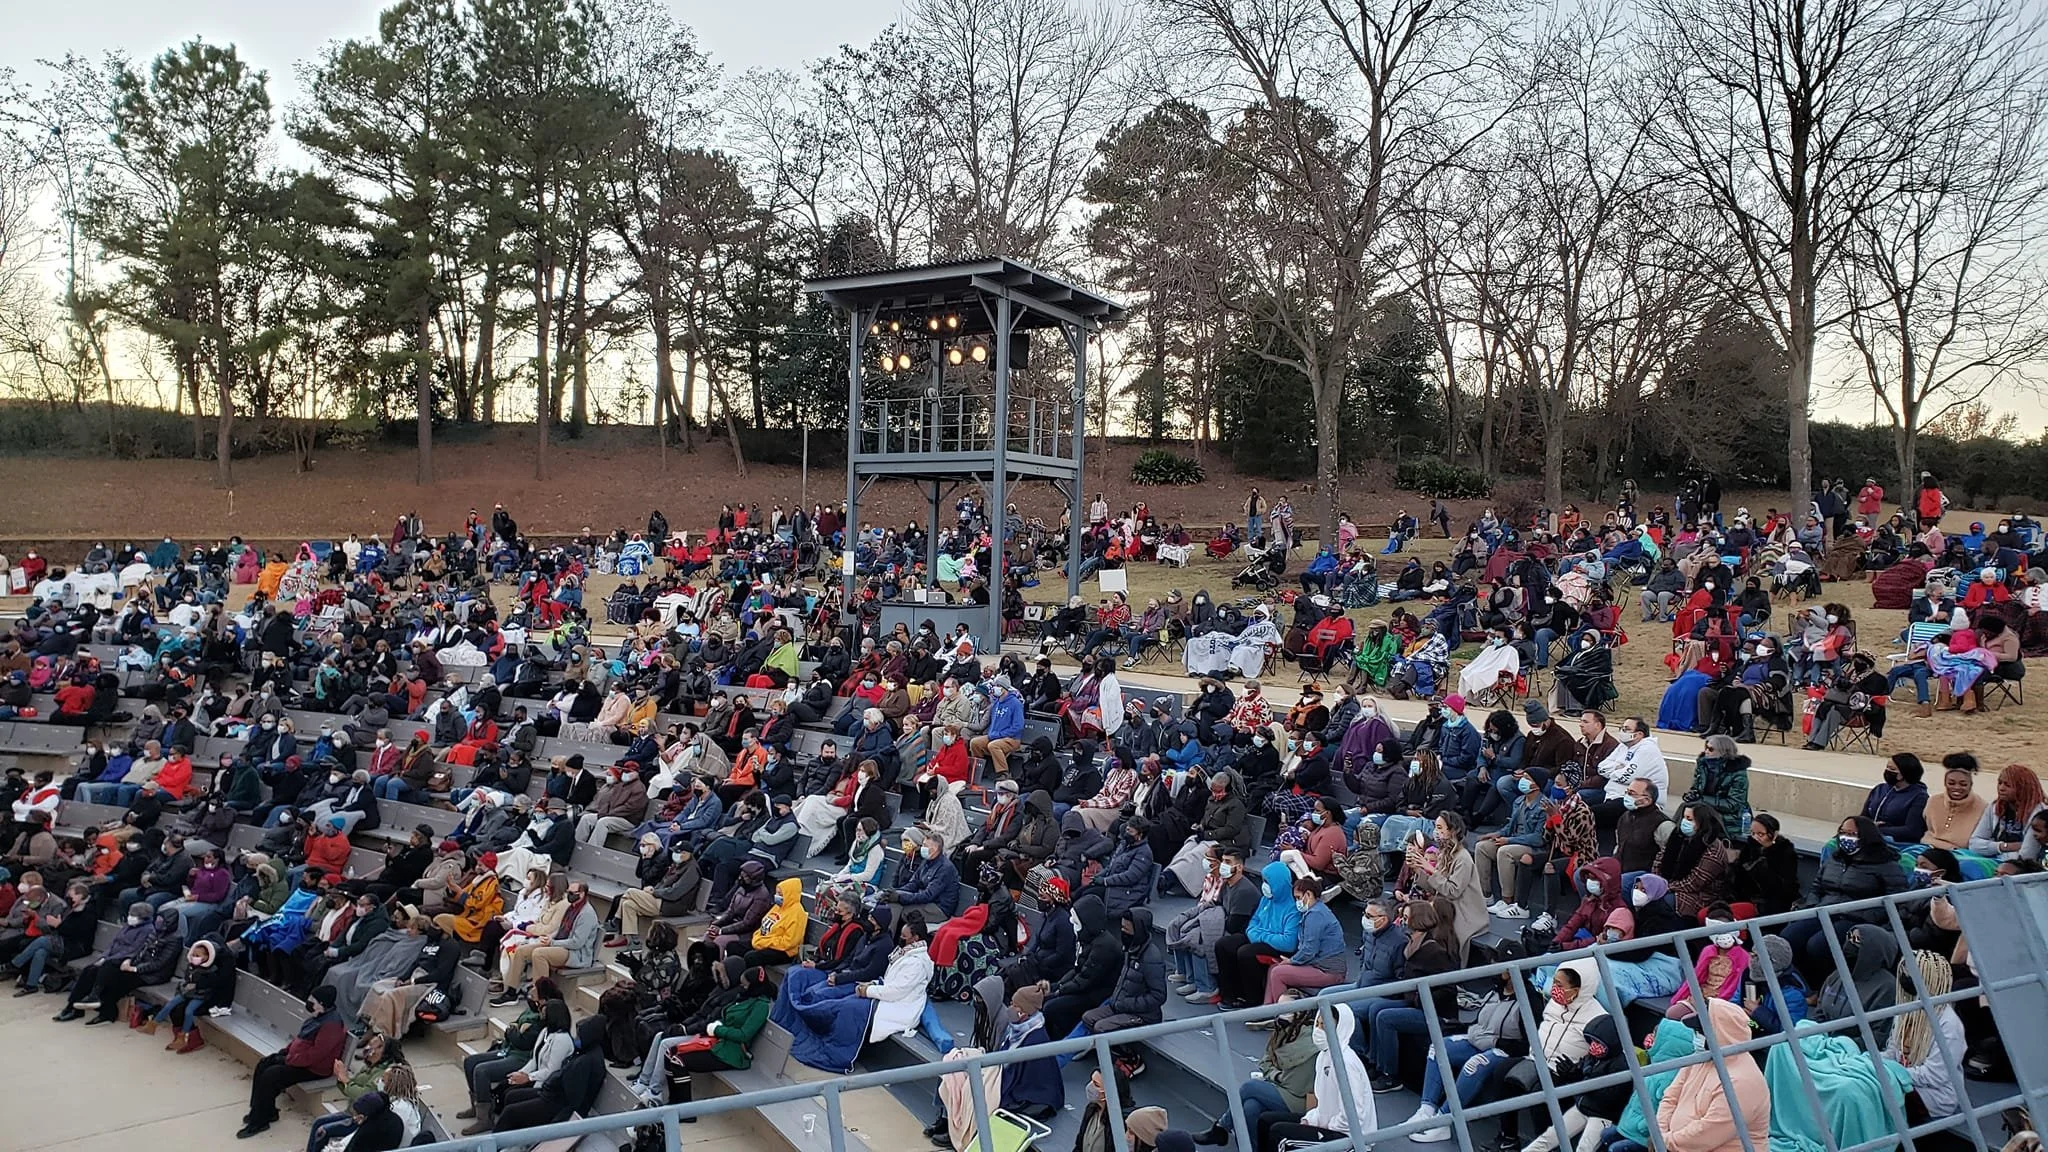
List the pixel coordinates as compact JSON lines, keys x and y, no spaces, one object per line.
{"x":1553,"y":456}
{"x":732,"y":432}
{"x":689,"y":392}
{"x":1329,"y":398}
{"x":423,"y":394}
{"x":485,"y":390}
{"x":541,"y":278}
{"x":224,"y":437}
{"x":664,"y":374}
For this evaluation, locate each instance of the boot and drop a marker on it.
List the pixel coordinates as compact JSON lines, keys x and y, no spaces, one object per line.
{"x":149,"y":1026}
{"x":177,"y":1040}
{"x":1923,"y":710}
{"x":193,"y":1042}
{"x":1944,"y":700}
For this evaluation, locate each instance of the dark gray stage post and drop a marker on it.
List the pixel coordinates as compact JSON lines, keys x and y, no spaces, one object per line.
{"x":852,"y":526}
{"x":1077,"y":339}
{"x":998,"y":490}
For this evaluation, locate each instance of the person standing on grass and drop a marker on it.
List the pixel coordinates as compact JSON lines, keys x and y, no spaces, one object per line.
{"x":1254,"y":518}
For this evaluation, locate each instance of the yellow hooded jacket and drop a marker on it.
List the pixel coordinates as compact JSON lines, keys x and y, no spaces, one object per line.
{"x":782,"y":929}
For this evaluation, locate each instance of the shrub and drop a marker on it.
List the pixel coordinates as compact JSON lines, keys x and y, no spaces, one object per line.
{"x":1159,"y":466}
{"x":1441,"y":479}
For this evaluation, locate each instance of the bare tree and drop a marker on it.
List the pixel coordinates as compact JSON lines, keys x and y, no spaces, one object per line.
{"x":1946,"y":294}
{"x":1018,"y":92}
{"x":1354,"y":108}
{"x":1793,"y":120}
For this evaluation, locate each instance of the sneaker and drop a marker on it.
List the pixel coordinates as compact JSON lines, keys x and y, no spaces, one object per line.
{"x":508,"y":996}
{"x":1200,"y":997}
{"x":1494,"y":909}
{"x":1423,"y":1112}
{"x":1385,"y":1084}
{"x":1544,"y":923}
{"x":1430,"y":1136}
{"x":1332,"y":892}
{"x":1512,"y":912}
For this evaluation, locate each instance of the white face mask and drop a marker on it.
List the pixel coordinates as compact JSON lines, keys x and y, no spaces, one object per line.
{"x":1321,"y":1041}
{"x":1726,"y":940}
{"x":1638,"y":897}
{"x":1075,"y":921}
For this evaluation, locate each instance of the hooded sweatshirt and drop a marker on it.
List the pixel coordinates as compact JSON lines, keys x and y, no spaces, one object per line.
{"x":1563,"y":1030}
{"x":1329,"y":1112}
{"x":1098,"y":956}
{"x":1671,"y":1040}
{"x":1277,"y":923}
{"x":1593,"y":907}
{"x":782,"y":929}
{"x":1697,"y":1114}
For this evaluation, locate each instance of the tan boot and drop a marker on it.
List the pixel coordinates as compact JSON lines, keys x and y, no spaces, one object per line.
{"x":149,"y":1027}
{"x":1923,"y":710}
{"x":177,"y":1041}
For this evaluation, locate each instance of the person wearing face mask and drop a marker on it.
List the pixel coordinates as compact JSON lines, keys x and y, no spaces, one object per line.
{"x":1139,"y":994}
{"x":1695,"y":861}
{"x":1192,"y":936}
{"x":1274,"y":930}
{"x":1377,"y":776}
{"x":1457,"y":742}
{"x":1330,"y":1105}
{"x":311,"y":1055}
{"x":143,"y":952}
{"x":1642,"y":829}
{"x":1519,"y":844}
{"x":1600,"y":892}
{"x":1425,"y":795}
{"x":1125,"y":880}
{"x":1320,"y":957}
{"x":1316,"y":859}
{"x":1862,"y":866}
{"x":1723,"y":962}
{"x":930,"y":878}
{"x":1636,"y":756}
{"x":828,"y":1023}
{"x":618,"y":806}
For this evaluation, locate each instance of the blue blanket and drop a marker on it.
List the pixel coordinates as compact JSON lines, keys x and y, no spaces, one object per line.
{"x":1657,"y":976}
{"x":826,"y":1023}
{"x":1679,"y":711}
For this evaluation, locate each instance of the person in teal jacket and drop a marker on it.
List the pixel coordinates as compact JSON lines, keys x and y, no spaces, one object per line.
{"x":1275,"y":931}
{"x":1632,"y":1132}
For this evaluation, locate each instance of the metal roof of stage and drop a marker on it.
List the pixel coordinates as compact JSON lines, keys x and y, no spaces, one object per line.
{"x":964,"y":287}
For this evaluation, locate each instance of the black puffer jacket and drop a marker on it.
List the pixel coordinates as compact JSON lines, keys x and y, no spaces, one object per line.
{"x":1141,"y":986}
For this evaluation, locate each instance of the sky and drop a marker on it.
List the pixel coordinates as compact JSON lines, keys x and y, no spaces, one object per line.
{"x":278,"y":35}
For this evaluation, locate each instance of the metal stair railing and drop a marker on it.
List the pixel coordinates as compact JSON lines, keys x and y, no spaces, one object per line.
{"x":2016,"y":902}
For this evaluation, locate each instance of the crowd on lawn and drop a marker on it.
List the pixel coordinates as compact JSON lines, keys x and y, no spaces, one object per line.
{"x":1542,"y":815}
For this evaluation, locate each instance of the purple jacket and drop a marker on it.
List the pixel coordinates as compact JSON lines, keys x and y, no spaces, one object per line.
{"x":209,"y":885}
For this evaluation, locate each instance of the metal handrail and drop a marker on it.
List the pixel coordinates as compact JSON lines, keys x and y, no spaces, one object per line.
{"x":963,"y":422}
{"x":1548,"y":1095}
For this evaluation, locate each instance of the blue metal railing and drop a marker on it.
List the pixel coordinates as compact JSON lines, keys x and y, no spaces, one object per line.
{"x":1549,"y":1096}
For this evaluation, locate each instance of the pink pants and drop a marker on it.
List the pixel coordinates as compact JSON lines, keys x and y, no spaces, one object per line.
{"x":1281,"y":977}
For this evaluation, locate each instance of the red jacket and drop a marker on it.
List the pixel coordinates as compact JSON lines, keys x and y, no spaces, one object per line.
{"x":950,"y":761}
{"x":319,"y":1053}
{"x":75,"y":699}
{"x":175,"y":777}
{"x":328,"y":853}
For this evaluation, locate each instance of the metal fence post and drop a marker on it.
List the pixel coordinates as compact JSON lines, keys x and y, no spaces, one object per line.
{"x":1871,"y":1048}
{"x":1112,"y":1100}
{"x":1777,"y":991}
{"x":1532,"y":1029}
{"x":1700,"y":1005}
{"x":1233,"y":1100}
{"x":1438,"y":1056}
{"x":1637,"y":1083}
{"x":1955,"y":1064}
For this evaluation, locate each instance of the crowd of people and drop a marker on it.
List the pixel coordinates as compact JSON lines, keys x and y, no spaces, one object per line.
{"x":1544,"y":815}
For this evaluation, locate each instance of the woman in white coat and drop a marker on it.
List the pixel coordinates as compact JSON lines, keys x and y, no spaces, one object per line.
{"x":1327,"y":1117}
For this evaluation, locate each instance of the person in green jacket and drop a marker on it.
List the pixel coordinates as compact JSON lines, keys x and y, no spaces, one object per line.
{"x":1286,"y":1075}
{"x":733,"y":1032}
{"x":372,"y":1057}
{"x":1376,"y":653}
{"x":1721,"y":778}
{"x":244,"y":786}
{"x":1671,"y":1040}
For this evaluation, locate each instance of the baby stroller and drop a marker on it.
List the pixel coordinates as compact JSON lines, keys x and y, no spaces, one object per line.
{"x":1264,"y":572}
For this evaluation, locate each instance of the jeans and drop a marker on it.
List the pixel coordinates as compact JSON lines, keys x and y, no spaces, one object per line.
{"x":1258,"y":1097}
{"x":186,"y":909}
{"x":1915,"y":671}
{"x":330,"y":1127}
{"x":1658,"y":604}
{"x":189,"y":1005}
{"x":391,"y":787}
{"x":1254,"y":526}
{"x":1367,"y":1012}
{"x":36,"y":957}
{"x":1192,"y":965}
{"x":1471,"y":1080}
{"x":484,"y":1070}
{"x":1387,"y":1029}
{"x":121,"y":795}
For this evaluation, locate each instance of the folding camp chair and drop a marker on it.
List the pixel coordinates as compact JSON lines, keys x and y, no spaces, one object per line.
{"x":1855,"y":732}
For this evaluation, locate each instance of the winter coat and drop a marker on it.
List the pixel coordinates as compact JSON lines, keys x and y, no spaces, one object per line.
{"x":1126,"y":880}
{"x":1099,"y":954}
{"x":1141,"y":986}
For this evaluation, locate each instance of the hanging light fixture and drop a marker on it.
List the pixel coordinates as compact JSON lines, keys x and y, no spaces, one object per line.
{"x":888,"y":362}
{"x":932,"y":324}
{"x":953,"y":322}
{"x":903,"y":362}
{"x":980,"y":353}
{"x":955,"y":356}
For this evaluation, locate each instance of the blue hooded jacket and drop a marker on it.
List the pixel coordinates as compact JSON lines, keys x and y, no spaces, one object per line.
{"x":1277,"y":922}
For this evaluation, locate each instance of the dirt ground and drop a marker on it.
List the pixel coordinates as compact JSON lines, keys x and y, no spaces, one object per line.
{"x":611,"y":477}
{"x":1998,"y":737}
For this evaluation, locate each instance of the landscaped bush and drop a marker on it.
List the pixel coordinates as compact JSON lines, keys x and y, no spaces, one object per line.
{"x":1159,"y":466}
{"x":1443,"y":480}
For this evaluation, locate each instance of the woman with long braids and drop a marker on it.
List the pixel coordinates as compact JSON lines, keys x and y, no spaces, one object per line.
{"x":1915,"y":1037}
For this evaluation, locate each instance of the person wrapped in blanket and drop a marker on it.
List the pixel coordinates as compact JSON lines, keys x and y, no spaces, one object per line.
{"x":1030,"y":1087}
{"x":972,"y":945}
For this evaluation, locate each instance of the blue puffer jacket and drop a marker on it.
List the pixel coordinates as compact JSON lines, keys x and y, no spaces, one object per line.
{"x":1457,"y":747}
{"x":1381,"y":955}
